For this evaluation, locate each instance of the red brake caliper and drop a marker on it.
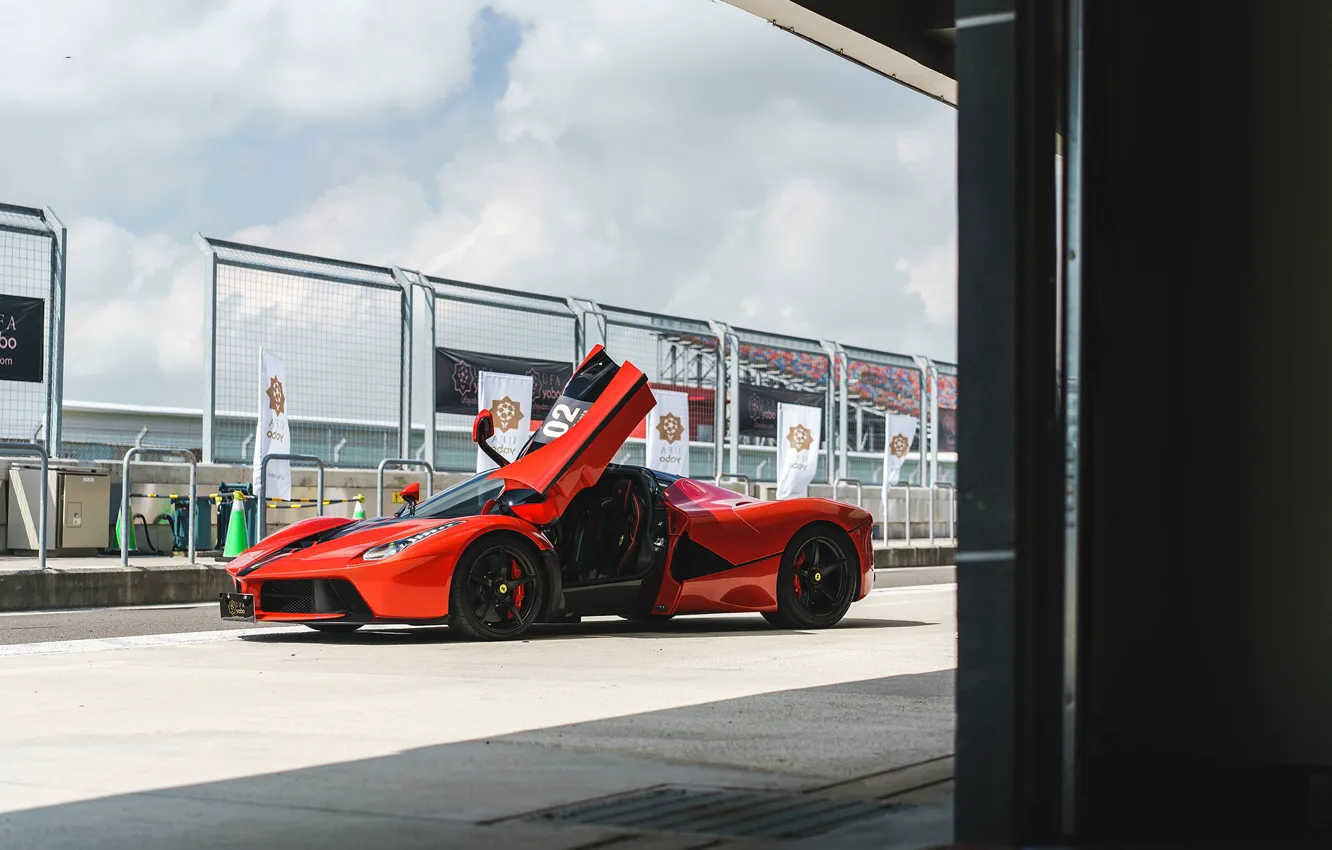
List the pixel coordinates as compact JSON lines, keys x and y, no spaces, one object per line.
{"x":800,"y":561}
{"x":519,"y":591}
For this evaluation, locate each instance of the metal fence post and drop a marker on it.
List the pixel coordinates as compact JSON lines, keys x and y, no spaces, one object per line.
{"x":719,"y":407}
{"x":210,"y":347}
{"x":907,"y":489}
{"x":400,"y":462}
{"x":405,"y":365}
{"x":860,"y":489}
{"x":127,"y":521}
{"x":56,"y":377}
{"x":925,"y":392}
{"x":261,"y":510}
{"x":38,"y":451}
{"x":735,"y":476}
{"x":733,"y":385}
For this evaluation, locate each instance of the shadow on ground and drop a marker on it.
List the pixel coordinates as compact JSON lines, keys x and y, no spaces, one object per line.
{"x":437,"y":797}
{"x":682,"y":627}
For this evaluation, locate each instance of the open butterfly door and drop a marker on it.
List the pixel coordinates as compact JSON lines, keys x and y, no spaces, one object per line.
{"x":596,"y":412}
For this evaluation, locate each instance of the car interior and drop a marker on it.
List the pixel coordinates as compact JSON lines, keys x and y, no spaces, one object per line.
{"x":602,"y":534}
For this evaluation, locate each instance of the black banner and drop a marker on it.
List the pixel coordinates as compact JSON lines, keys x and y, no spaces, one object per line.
{"x":456,"y":375}
{"x":947,"y":430}
{"x":22,"y":331}
{"x":758,"y":407}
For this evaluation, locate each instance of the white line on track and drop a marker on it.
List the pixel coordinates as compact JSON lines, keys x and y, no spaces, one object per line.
{"x":64,"y":647}
{"x":55,"y":612}
{"x":951,"y":587}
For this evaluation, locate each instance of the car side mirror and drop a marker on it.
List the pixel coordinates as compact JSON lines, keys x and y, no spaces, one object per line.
{"x":483,"y":428}
{"x":411,"y":494}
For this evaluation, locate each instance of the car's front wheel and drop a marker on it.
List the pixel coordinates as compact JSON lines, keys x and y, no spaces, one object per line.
{"x":817,"y":580}
{"x":498,"y":589}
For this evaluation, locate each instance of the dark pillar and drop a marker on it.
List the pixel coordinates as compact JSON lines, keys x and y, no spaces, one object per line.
{"x":1209,"y":470}
{"x":1009,"y":569}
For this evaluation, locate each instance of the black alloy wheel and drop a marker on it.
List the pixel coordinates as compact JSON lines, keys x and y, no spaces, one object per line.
{"x":497,"y":591}
{"x":817,"y":580}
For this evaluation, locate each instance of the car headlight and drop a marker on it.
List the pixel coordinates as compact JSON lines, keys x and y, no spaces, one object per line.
{"x":388,"y":550}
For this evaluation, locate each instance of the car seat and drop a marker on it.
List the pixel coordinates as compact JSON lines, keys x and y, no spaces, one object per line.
{"x":627,"y":518}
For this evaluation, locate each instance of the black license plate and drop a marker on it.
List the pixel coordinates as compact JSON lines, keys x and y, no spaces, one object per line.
{"x":237,"y":606}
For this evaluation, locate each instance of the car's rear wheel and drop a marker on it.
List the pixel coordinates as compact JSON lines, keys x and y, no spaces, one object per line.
{"x":334,"y":628}
{"x":817,"y":580}
{"x":498,"y":589}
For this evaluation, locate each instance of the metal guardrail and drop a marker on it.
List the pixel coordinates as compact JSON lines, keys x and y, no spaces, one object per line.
{"x":860,"y":489}
{"x":735,"y":476}
{"x":33,"y":449}
{"x":261,"y":513}
{"x":126,"y":520}
{"x":400,"y":463}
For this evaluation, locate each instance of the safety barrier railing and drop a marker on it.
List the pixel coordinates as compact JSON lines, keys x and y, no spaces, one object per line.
{"x":932,"y":519}
{"x":8,"y":449}
{"x":734,"y":476}
{"x":855,"y":482}
{"x":261,"y":513}
{"x":400,"y":463}
{"x":126,"y":521}
{"x":952,"y":508}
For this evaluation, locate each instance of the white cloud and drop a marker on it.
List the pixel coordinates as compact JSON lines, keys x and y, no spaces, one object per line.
{"x":677,"y":155}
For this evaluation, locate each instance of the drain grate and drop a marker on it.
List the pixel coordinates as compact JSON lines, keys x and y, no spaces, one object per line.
{"x":719,"y":811}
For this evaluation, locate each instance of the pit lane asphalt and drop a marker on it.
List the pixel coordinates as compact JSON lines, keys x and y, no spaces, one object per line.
{"x":38,"y":627}
{"x":121,"y":726}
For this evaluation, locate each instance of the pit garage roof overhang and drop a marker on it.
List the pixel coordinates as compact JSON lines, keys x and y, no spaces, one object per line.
{"x":910,"y":41}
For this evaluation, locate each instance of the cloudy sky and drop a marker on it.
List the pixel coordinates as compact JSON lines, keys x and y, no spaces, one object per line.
{"x":678,"y":155}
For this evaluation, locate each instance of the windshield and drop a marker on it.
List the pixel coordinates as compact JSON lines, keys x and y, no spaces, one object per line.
{"x":464,"y":499}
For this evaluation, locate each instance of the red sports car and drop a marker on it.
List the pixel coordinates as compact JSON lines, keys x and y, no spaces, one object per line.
{"x":561,"y":533}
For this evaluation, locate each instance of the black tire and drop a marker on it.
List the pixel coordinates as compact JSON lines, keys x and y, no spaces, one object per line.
{"x":817,"y":580}
{"x":334,"y":628}
{"x":498,"y":590}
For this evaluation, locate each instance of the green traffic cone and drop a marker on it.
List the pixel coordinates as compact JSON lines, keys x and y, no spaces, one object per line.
{"x":237,"y":539}
{"x":120,"y":523}
{"x":359,"y":511}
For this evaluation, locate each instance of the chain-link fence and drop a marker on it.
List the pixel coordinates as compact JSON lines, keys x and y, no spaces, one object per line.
{"x":681,"y":355}
{"x":478,"y":328}
{"x":342,"y":331}
{"x":32,"y":300}
{"x":764,"y":370}
{"x":881,"y":385}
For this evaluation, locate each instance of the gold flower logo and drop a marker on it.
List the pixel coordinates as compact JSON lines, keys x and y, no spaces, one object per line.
{"x":899,"y":445}
{"x":799,"y":438}
{"x":506,"y":413}
{"x":670,"y":428}
{"x":277,"y":396}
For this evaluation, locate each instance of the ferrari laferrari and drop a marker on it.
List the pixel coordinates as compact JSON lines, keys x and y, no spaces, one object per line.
{"x":559,"y":533}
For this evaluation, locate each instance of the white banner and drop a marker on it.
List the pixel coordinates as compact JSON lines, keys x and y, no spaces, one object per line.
{"x":272,"y":436}
{"x":509,"y":400}
{"x":668,"y":433}
{"x":798,"y":432}
{"x":900,"y":430}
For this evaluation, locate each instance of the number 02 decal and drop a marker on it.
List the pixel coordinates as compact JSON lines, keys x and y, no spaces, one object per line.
{"x":561,"y":417}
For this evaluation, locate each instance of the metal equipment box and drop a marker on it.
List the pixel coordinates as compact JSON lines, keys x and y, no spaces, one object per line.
{"x":78,"y":505}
